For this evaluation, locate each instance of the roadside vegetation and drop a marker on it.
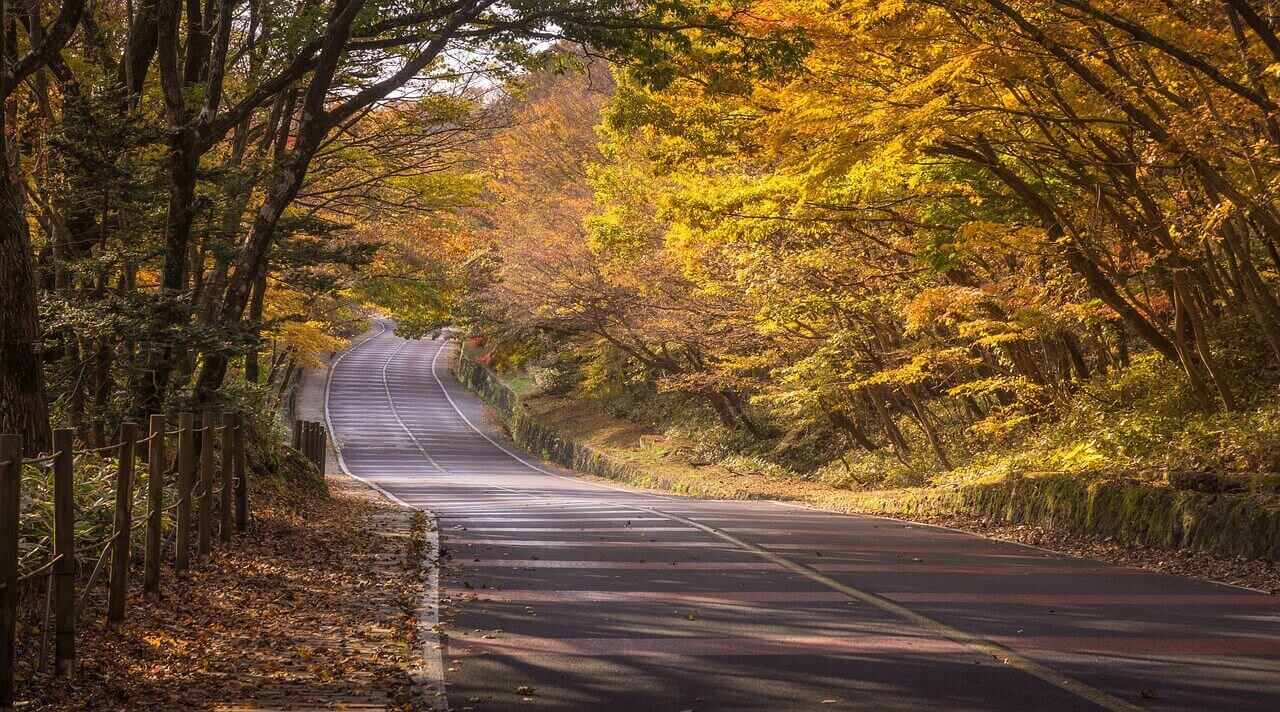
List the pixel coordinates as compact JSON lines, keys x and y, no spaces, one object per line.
{"x":199,"y":199}
{"x":951,"y":243}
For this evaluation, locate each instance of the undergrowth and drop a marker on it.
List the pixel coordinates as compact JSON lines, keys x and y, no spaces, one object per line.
{"x":1140,"y":423}
{"x":280,"y":471}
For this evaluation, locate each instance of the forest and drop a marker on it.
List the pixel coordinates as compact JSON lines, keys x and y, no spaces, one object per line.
{"x":854,"y":248}
{"x":879,"y":241}
{"x":196,"y":195}
{"x":927,"y":241}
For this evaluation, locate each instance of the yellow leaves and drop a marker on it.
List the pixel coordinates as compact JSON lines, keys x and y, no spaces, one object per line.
{"x":307,"y":340}
{"x":1081,"y":456}
{"x":930,"y":364}
{"x":290,"y":324}
{"x":940,"y":305}
{"x":988,"y":386}
{"x":1218,"y":215}
{"x":978,"y":235}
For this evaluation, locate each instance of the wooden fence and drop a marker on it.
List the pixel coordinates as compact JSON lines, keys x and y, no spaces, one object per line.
{"x":312,"y":440}
{"x":198,"y":480}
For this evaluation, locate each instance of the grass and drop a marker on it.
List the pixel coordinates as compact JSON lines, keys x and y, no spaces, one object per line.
{"x":1137,"y":428}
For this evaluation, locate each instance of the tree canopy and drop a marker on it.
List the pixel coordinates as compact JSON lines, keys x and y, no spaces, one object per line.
{"x":943,"y":225}
{"x":189,"y":185}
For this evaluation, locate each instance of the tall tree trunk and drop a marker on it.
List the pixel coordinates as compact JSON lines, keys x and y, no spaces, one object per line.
{"x":901,"y":447}
{"x":1200,"y":331}
{"x":172,"y":310}
{"x":841,"y":422}
{"x":24,"y":404}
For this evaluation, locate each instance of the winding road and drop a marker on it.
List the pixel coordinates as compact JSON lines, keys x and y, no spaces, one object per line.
{"x":560,"y":593}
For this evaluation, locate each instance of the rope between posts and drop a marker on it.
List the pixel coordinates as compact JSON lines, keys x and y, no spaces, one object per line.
{"x":42,"y":459}
{"x":159,"y":433}
{"x":112,"y":446}
{"x":31,"y":575}
{"x":95,"y":450}
{"x":103,"y":542}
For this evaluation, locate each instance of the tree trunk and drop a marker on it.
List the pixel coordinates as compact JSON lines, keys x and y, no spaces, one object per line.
{"x":926,"y":425}
{"x":24,"y":404}
{"x":841,"y":421}
{"x":172,"y":310}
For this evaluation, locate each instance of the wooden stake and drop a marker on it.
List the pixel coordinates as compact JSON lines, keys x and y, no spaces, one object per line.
{"x":64,"y":547}
{"x":242,"y":484}
{"x":186,"y":467}
{"x":10,"y":494}
{"x":322,"y":449}
{"x":208,"y":423}
{"x":118,"y":584}
{"x":228,"y":467}
{"x":159,"y":463}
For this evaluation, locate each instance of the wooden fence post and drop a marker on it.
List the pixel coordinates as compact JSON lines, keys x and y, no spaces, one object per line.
{"x":242,"y":484}
{"x":322,"y":449}
{"x":298,"y":425}
{"x":64,"y":547}
{"x":118,"y":584}
{"x":208,"y":423}
{"x":228,"y":467}
{"x":186,"y":466}
{"x":158,"y":458}
{"x":10,"y":494}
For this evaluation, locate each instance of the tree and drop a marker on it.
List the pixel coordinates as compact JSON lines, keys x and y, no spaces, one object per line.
{"x":24,"y":405}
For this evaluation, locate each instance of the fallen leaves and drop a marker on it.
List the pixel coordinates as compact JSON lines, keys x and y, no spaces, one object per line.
{"x":314,"y":606}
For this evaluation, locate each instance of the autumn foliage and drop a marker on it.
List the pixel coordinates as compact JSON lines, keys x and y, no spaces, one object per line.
{"x":942,"y":227}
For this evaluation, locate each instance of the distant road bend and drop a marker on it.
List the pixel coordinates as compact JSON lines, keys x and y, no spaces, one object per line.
{"x":578,"y":595}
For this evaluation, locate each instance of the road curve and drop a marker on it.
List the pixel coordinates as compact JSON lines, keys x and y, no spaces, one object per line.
{"x":560,"y":593}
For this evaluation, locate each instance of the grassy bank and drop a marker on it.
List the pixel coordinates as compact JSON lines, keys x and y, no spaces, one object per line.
{"x":1237,"y":518}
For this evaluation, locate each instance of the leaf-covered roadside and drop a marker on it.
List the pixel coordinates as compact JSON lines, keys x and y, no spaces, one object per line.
{"x":315,"y":606}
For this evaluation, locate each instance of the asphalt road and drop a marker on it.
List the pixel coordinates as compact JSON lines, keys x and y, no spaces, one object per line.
{"x":559,"y":593}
